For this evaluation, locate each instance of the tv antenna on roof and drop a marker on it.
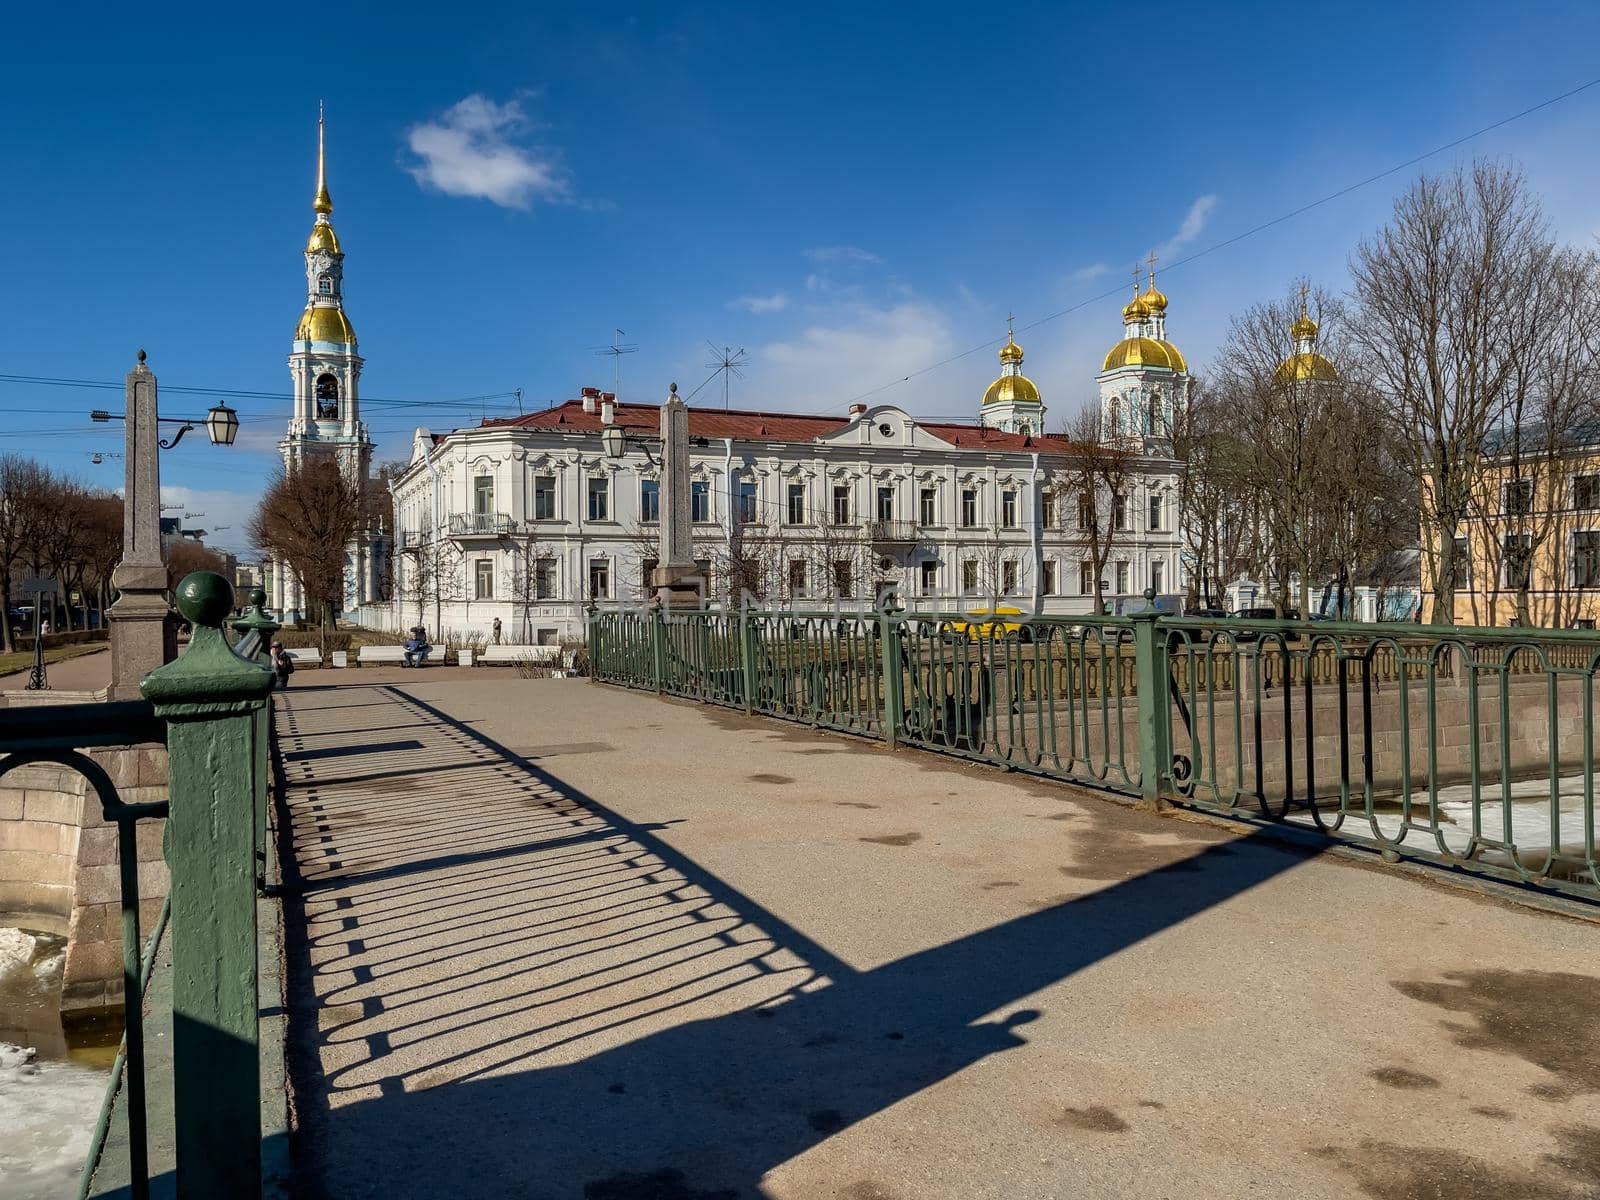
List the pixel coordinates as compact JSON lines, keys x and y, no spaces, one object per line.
{"x":726,"y":361}
{"x":616,"y":350}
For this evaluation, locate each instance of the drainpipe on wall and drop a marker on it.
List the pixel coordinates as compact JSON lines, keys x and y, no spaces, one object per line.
{"x":438,"y":532}
{"x":1037,"y":526}
{"x":733,"y":499}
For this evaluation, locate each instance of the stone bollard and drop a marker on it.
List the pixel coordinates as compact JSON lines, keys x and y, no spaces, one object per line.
{"x":211,"y":699}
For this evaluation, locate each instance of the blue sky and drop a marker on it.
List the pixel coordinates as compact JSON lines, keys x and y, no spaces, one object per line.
{"x":848,"y":192}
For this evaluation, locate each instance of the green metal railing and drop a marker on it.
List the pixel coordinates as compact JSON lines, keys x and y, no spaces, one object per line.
{"x":207,"y":708}
{"x":1469,"y":748}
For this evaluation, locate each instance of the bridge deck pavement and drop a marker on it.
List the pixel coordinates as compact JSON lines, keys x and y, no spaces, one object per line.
{"x":548,"y":939}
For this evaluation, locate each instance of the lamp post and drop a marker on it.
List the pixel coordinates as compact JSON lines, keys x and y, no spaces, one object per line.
{"x":143,"y":636}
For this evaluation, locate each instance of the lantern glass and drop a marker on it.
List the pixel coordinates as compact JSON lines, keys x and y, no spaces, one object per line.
{"x":222,"y":425}
{"x":611,"y":439}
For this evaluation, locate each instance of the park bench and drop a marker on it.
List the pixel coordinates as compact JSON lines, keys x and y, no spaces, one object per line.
{"x":304,"y":656}
{"x":386,"y":654}
{"x":544,"y":656}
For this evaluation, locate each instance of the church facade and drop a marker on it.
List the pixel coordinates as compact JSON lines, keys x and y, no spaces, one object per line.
{"x":526,"y":520}
{"x":325,"y":366}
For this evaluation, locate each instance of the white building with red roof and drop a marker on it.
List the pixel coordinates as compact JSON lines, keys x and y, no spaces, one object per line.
{"x":526,"y":519}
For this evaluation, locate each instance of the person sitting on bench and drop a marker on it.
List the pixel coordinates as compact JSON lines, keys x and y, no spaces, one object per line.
{"x":416,"y":647}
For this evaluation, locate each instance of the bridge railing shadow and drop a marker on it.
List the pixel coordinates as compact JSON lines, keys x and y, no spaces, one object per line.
{"x":581,"y":1010}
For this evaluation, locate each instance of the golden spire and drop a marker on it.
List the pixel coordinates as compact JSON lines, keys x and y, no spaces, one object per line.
{"x":1153,"y":299}
{"x":323,"y":204}
{"x":1304,"y":327}
{"x":1010,"y":352}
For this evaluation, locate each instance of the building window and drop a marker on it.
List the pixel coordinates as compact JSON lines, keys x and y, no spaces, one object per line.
{"x":1085,"y":512}
{"x":1461,"y":567}
{"x":483,"y":579}
{"x":1008,"y":509}
{"x":969,"y":507}
{"x":1155,"y":513}
{"x":324,"y":285}
{"x":797,"y":577}
{"x":1086,"y":579}
{"x":1586,"y":491}
{"x":649,"y":500}
{"x":969,"y":576}
{"x":747,"y":502}
{"x":796,"y":514}
{"x":1119,"y":512}
{"x":886,"y":504}
{"x":926,"y":503}
{"x":1122,"y":579}
{"x":1586,"y":559}
{"x":841,"y":504}
{"x":1158,"y":577}
{"x":327,"y":397}
{"x":599,"y":500}
{"x":483,"y":495}
{"x":1047,"y":510}
{"x":1008,"y":577}
{"x":842,"y":580}
{"x":930,"y":578}
{"x":1518,"y":551}
{"x":1047,"y":578}
{"x":544,"y":497}
{"x":544,"y":579}
{"x":599,"y":578}
{"x":700,"y":501}
{"x":1518,"y":497}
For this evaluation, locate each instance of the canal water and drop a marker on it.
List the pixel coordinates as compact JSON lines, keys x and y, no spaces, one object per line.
{"x":53,"y":1074}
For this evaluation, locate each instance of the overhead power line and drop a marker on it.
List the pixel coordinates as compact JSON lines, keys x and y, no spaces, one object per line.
{"x":1236,"y":238}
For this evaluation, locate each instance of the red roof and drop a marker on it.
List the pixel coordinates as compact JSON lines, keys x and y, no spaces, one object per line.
{"x":766,"y":426}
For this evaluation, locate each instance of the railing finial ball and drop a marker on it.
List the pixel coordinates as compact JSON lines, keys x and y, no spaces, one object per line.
{"x":258,"y":597}
{"x":205,"y":598}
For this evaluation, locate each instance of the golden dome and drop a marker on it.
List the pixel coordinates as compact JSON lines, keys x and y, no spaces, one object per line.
{"x":324,"y":324}
{"x":1304,"y":327}
{"x":1145,"y":352}
{"x":1153,"y":299}
{"x":1307,"y":365}
{"x":323,"y":238}
{"x":1010,"y":352}
{"x":1135,"y":310}
{"x":1012,"y":387}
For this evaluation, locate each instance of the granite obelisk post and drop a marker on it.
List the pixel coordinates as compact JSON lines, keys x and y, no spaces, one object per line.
{"x":676,"y":579}
{"x":143,"y":636}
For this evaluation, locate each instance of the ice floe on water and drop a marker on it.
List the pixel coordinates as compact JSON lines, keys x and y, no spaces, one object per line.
{"x":48,"y":1105}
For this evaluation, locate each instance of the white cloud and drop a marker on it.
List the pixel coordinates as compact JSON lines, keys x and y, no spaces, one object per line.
{"x":1089,"y":273}
{"x":761,"y":304}
{"x":860,"y":347}
{"x":468,"y":150}
{"x":842,"y":254}
{"x":1193,"y":222}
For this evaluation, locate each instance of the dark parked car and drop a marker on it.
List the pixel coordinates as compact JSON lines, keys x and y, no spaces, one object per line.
{"x":1264,"y":614}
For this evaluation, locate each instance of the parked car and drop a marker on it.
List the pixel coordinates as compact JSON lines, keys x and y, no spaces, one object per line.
{"x":990,"y":623}
{"x":1264,"y":614}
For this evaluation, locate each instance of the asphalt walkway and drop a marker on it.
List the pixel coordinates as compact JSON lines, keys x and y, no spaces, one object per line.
{"x":550,"y":939}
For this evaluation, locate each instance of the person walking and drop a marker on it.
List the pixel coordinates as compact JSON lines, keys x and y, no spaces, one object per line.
{"x":281,"y":664}
{"x":497,"y":631}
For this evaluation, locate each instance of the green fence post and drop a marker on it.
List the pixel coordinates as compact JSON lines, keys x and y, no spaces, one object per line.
{"x":747,"y":655}
{"x":1155,"y":702}
{"x":210,"y":698}
{"x":658,"y":648}
{"x":592,"y":632}
{"x":893,"y":669}
{"x":263,"y":626}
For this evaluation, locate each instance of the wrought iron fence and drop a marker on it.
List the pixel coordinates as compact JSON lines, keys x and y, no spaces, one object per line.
{"x":1469,"y":748}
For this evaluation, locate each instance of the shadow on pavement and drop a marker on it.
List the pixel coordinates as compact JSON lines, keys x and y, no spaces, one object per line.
{"x":648,"y":1032}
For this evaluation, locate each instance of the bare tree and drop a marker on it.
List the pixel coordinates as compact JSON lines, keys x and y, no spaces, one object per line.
{"x":429,"y":573}
{"x":24,"y":486}
{"x":308,"y":517}
{"x":1094,"y":478}
{"x":1446,"y":296}
{"x":185,"y":556}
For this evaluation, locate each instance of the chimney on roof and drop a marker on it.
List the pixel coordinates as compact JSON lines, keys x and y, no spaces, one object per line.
{"x":857,"y":409}
{"x":608,"y":408}
{"x":591,"y":399}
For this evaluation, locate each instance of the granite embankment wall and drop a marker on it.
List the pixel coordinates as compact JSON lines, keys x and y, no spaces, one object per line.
{"x":59,"y":863}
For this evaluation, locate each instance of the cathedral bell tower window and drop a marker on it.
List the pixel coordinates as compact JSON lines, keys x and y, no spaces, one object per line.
{"x":324,"y":285}
{"x":327,"y":398}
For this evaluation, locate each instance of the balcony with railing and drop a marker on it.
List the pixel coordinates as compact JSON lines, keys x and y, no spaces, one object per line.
{"x":894,"y":535}
{"x":482,"y":525}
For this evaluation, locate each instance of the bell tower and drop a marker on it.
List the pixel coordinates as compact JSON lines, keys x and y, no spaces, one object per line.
{"x":325,"y":368}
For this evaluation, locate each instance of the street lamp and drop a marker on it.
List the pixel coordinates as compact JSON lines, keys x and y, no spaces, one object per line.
{"x":221,"y":422}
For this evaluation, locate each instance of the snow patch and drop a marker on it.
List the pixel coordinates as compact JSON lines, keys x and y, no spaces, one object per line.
{"x":48,"y":1112}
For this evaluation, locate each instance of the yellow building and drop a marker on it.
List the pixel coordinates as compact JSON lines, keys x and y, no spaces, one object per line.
{"x":1529,"y":551}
